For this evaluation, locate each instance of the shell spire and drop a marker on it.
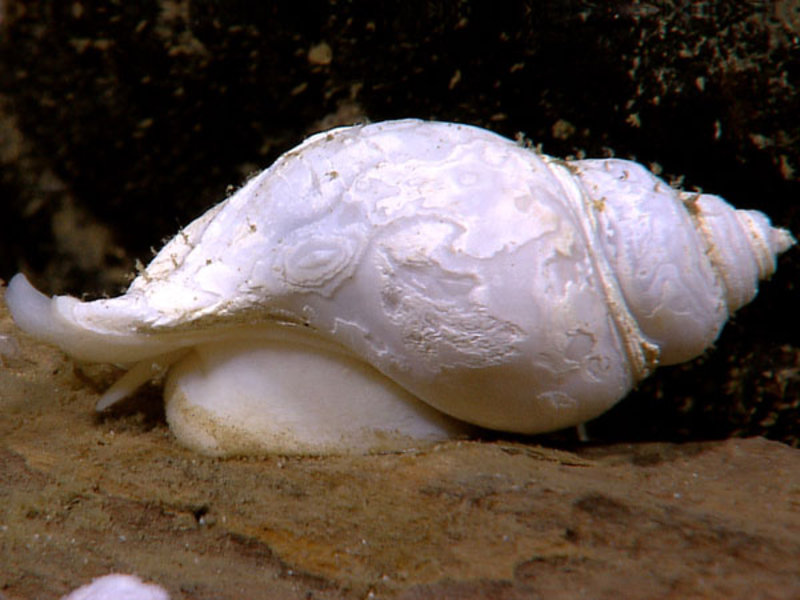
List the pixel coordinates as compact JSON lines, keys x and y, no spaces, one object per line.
{"x":742,"y":245}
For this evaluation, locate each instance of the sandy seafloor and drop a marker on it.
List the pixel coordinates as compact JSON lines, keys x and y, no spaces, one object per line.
{"x":83,"y":495}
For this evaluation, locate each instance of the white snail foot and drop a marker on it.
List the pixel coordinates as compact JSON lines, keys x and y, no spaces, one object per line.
{"x":260,"y":397}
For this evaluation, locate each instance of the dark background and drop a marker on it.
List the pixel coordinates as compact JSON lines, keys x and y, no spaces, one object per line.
{"x":121,"y":122}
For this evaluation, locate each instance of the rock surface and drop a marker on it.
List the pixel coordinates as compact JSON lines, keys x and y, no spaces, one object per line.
{"x":82,"y":496}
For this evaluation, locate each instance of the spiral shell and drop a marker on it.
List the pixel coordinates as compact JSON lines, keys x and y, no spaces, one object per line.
{"x":375,"y":266}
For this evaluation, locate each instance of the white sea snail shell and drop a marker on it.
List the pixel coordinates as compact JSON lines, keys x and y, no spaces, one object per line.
{"x":376,"y":265}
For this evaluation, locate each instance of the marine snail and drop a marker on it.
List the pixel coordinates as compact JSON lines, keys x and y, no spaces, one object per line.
{"x":381,"y":285}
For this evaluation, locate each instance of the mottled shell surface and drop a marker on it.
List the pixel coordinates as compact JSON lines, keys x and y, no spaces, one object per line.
{"x":499,"y":285}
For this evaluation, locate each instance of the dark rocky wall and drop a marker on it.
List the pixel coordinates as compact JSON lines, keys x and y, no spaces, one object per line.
{"x":121,"y":121}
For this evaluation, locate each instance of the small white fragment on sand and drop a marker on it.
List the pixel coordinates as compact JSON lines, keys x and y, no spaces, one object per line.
{"x":118,"y":587}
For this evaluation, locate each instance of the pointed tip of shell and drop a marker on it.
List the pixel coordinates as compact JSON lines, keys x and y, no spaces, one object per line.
{"x":766,"y":242}
{"x":781,"y":240}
